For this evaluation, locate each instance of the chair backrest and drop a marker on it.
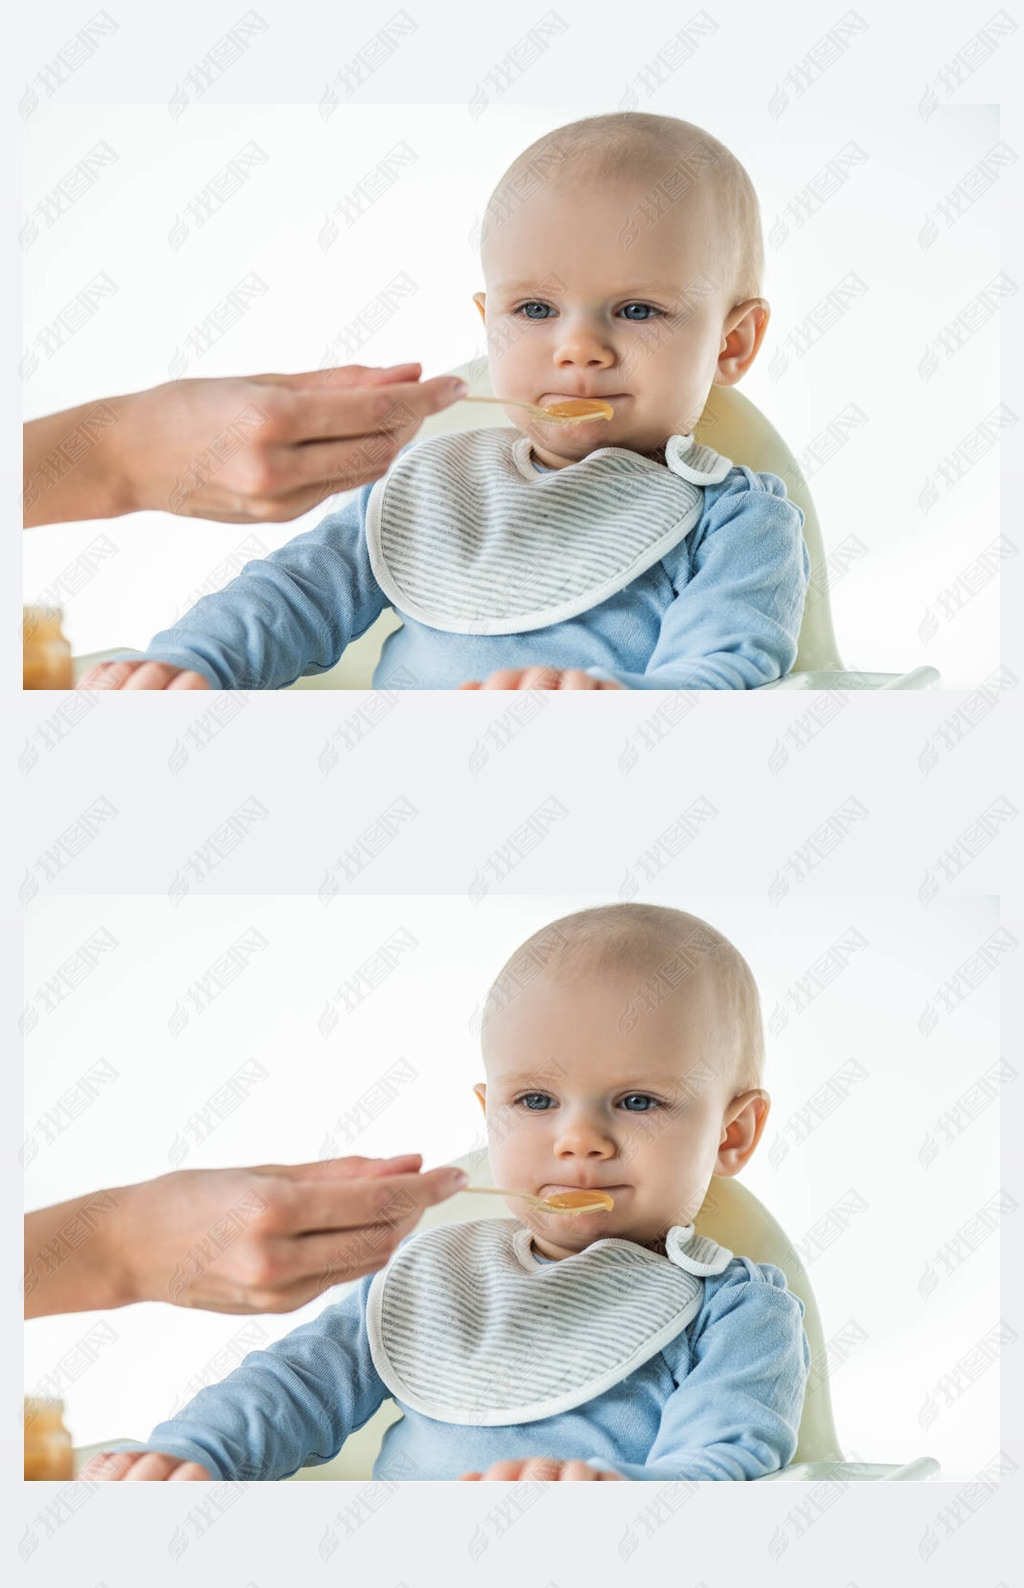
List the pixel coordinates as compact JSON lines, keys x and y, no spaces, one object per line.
{"x":736,"y":428}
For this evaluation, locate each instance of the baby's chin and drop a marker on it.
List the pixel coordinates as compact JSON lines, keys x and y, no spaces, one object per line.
{"x":569,"y":448}
{"x":594,"y":1227}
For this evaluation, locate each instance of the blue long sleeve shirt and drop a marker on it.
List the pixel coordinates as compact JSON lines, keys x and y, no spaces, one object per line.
{"x":721,"y":1401}
{"x":721,"y":610}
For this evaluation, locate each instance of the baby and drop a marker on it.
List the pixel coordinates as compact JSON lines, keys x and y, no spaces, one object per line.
{"x":622,"y":256}
{"x":623,"y":1052}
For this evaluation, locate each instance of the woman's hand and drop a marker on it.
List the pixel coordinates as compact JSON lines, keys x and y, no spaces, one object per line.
{"x":267,"y":1239}
{"x":543,"y":1469}
{"x":241,"y":450}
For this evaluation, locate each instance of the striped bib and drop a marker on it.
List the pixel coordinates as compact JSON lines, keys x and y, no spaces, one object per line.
{"x":465,"y":535}
{"x":467,"y":1325}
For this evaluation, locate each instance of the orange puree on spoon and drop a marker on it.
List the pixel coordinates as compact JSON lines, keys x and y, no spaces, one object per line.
{"x":580,"y":408}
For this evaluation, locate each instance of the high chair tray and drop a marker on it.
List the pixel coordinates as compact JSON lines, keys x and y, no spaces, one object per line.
{"x":855,"y":1471}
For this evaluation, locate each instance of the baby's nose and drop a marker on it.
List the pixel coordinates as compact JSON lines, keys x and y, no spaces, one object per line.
{"x":586,"y":344}
{"x":581,"y":1139}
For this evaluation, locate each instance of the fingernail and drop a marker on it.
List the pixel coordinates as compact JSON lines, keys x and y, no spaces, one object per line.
{"x":459,"y":1179}
{"x":403,"y":1157}
{"x":390,"y":369}
{"x":459,"y":388}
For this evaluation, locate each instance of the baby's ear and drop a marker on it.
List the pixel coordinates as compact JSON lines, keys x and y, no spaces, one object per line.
{"x":481,"y":1091}
{"x":480,"y":299}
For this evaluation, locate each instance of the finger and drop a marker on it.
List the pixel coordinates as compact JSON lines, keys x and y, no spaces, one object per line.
{"x":575,"y":678}
{"x":189,"y":1472}
{"x":189,"y":681}
{"x":330,"y":1258}
{"x":397,"y":1199}
{"x":541,"y":678}
{"x":342,"y":376}
{"x":364,"y":459}
{"x":474,"y":683}
{"x":544,"y":1468}
{"x":505,"y":678}
{"x":107,"y":675}
{"x":503,"y":1472}
{"x":330,"y":467}
{"x":109,"y":1466}
{"x":469,"y":1477}
{"x":346,"y":1256}
{"x":151,"y":675}
{"x":152,"y":1467}
{"x":333,"y":414}
{"x":354,"y":1168}
{"x":577,"y":1472}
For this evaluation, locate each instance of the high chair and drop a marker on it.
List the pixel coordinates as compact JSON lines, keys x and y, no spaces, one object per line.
{"x":734,"y":427}
{"x":732,"y":1216}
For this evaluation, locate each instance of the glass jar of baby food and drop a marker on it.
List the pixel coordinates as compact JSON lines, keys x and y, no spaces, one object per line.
{"x":46,"y":653}
{"x":47,"y":1441}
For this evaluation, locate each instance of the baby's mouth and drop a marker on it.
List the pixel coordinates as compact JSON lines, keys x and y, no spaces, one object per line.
{"x":580,"y":1194}
{"x":550,"y":398}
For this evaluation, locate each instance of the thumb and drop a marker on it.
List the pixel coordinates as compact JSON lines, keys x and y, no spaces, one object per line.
{"x":442,"y":391}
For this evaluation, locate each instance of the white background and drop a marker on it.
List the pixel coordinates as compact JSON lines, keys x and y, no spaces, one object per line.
{"x":924,"y":1534}
{"x":424,"y":227}
{"x":172,"y":1054}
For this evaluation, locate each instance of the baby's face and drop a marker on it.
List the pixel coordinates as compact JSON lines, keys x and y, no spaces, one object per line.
{"x":570,"y":310}
{"x":573,"y":1102}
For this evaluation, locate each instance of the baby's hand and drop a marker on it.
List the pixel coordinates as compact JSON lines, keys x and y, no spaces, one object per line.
{"x":541,"y":678}
{"x":140,"y":675}
{"x":543,"y":1469}
{"x":142,"y":1466}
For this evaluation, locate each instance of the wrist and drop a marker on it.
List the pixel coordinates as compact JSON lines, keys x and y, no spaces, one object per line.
{"x":124,"y":449}
{"x":118,"y":1272}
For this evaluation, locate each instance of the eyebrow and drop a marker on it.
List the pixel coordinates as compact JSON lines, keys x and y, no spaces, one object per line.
{"x":532,"y":286}
{"x":539,"y":1082}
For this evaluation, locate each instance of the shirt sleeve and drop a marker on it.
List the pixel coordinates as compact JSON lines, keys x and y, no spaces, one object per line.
{"x":735,"y":620}
{"x":735,"y":1414}
{"x":286,"y":615}
{"x":290,"y":1406}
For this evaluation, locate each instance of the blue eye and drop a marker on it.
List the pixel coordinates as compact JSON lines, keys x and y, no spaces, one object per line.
{"x":526,"y":1101}
{"x":651,"y":311}
{"x":641,"y":1097}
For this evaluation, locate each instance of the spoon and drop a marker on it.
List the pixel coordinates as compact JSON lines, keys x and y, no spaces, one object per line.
{"x":570,"y":411}
{"x":561,"y":1202}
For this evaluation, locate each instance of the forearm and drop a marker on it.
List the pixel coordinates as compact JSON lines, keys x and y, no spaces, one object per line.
{"x":294,"y":1403}
{"x":291,"y":612}
{"x":724,"y":671}
{"x":73,"y":464}
{"x":77,"y":1255}
{"x":725,"y":1462}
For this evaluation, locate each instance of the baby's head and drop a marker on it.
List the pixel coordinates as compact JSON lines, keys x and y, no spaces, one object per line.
{"x":623,"y":258}
{"x":623,"y":1051}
